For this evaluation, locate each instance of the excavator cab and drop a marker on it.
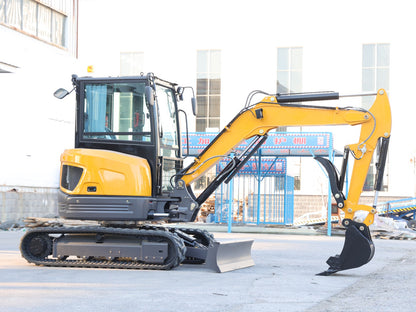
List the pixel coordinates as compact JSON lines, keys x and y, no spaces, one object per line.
{"x":134,"y":115}
{"x":127,"y":147}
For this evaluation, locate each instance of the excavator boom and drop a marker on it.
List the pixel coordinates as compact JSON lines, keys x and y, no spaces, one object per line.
{"x":270,"y":114}
{"x":274,"y":111}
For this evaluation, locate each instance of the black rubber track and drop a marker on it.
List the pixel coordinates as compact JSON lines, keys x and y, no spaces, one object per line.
{"x":37,"y":256}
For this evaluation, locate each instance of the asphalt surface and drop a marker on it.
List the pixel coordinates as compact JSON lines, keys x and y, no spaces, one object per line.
{"x":283,"y":279}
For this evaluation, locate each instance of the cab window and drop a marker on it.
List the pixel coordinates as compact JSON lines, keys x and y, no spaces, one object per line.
{"x":116,"y":111}
{"x":168,"y":128}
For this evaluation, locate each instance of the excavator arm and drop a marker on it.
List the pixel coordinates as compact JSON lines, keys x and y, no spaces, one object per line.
{"x":255,"y":121}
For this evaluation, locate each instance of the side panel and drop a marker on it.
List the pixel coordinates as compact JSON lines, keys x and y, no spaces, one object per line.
{"x":105,"y":173}
{"x":105,"y":208}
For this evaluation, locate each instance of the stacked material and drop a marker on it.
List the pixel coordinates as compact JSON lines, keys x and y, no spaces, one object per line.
{"x":383,"y":228}
{"x":388,"y":228}
{"x":55,"y":222}
{"x":207,"y":208}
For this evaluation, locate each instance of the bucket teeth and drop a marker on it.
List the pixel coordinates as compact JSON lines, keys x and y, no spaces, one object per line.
{"x":358,"y":249}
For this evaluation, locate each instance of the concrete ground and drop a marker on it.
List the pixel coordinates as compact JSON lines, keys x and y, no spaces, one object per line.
{"x":283,"y":279}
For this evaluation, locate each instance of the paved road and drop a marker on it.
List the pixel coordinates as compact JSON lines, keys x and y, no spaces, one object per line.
{"x":283,"y":279}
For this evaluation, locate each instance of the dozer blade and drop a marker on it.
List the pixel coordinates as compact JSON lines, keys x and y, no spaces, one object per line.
{"x":228,"y":256}
{"x":358,"y":249}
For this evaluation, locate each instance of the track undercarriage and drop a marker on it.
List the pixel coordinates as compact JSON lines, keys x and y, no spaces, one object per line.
{"x":147,"y":247}
{"x":105,"y":247}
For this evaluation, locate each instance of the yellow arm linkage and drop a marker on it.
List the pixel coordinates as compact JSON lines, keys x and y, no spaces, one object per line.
{"x":375,"y":123}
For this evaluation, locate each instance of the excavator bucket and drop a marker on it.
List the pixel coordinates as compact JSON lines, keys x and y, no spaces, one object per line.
{"x":358,"y":249}
{"x":228,"y":256}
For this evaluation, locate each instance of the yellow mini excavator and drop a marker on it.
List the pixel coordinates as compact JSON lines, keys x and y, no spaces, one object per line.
{"x":127,"y":169}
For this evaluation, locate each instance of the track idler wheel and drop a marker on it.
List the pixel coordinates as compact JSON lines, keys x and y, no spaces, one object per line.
{"x":358,"y":248}
{"x":36,"y":245}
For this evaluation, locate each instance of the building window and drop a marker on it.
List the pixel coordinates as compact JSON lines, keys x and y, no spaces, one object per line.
{"x":375,"y":70}
{"x":289,"y":79}
{"x":375,"y":75}
{"x":289,"y":70}
{"x":208,"y":90}
{"x":2,"y":14}
{"x":131,"y":63}
{"x":45,"y":19}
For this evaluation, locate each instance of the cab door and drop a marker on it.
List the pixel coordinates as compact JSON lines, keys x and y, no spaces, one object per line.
{"x":169,"y":137}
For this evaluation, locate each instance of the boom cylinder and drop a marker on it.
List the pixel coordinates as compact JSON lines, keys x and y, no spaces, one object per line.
{"x":306,"y":97}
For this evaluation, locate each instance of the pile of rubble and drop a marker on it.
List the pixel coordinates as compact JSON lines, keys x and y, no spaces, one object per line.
{"x":207,"y":208}
{"x":383,"y":228}
{"x":44,"y":222}
{"x":11,"y":225}
{"x":55,"y":222}
{"x":388,"y":228}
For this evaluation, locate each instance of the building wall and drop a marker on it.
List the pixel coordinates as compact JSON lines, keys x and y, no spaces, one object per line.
{"x":18,"y":203}
{"x":304,"y":204}
{"x":35,"y":127}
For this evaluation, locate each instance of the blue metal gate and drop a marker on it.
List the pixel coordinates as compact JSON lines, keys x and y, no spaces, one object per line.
{"x":260,"y":196}
{"x":263,"y":193}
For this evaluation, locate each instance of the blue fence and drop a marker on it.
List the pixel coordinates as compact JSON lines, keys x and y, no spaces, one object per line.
{"x":262,"y":193}
{"x":239,"y":200}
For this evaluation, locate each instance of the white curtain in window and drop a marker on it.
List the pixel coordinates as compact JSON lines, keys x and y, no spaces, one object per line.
{"x":58,"y":28}
{"x":2,"y":11}
{"x":29,"y":17}
{"x":44,"y":22}
{"x":14,"y":13}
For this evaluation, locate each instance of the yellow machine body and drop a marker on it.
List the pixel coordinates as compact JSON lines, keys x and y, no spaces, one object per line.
{"x":139,"y":116}
{"x":107,"y":173}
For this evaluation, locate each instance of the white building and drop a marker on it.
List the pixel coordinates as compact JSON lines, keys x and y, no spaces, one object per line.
{"x":236,"y":47}
{"x":38,"y":49}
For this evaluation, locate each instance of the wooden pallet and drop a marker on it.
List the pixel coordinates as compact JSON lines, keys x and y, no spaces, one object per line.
{"x":31,"y":222}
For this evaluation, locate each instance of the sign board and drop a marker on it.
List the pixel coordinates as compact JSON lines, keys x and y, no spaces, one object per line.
{"x":277,"y":143}
{"x":269,"y":166}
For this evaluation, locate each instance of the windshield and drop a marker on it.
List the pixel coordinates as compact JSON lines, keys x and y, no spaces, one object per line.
{"x":116,"y":111}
